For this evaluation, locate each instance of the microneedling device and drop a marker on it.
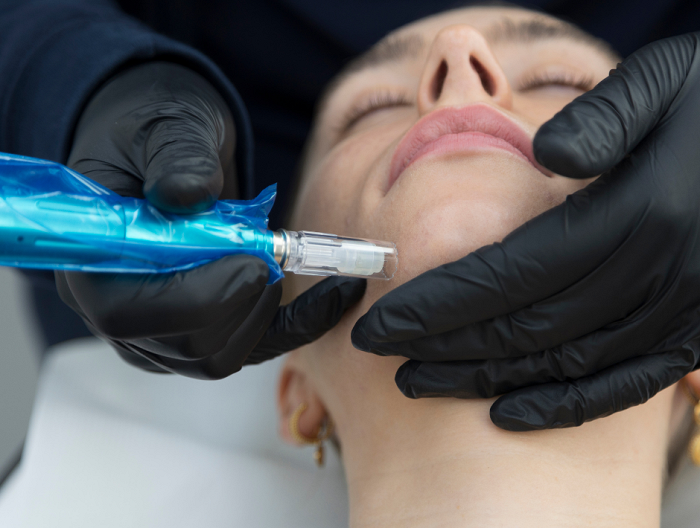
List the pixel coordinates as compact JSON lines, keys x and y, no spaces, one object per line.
{"x":54,"y":218}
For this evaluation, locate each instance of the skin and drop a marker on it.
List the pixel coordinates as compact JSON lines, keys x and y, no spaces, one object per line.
{"x":441,"y":462}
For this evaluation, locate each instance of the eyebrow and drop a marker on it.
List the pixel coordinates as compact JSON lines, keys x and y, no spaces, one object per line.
{"x":540,"y":29}
{"x":396,"y":47}
{"x":393,"y":48}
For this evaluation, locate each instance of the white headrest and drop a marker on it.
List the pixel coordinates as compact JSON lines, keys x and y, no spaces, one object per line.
{"x":112,"y":446}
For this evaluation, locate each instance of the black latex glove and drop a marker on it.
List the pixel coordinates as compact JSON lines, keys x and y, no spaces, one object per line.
{"x":593,"y":306}
{"x":162,"y":132}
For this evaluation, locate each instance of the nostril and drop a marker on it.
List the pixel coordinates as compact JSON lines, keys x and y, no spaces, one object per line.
{"x":439,"y":81}
{"x":486,"y":79}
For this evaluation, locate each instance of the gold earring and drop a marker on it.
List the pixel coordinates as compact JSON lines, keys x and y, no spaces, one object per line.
{"x":695,"y":442}
{"x":324,"y":432}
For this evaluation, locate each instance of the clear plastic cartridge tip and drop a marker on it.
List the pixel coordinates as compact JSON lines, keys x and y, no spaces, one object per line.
{"x":308,"y":253}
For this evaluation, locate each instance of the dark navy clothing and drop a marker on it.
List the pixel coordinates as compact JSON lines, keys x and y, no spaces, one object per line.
{"x":278,"y":54}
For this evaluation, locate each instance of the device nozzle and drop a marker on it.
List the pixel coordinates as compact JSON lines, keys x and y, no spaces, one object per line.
{"x":308,"y":253}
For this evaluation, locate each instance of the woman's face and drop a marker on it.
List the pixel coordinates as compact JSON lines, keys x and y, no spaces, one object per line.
{"x":493,"y":70}
{"x":426,"y":141}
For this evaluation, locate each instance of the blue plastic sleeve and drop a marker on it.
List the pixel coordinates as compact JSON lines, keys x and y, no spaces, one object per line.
{"x":54,"y":218}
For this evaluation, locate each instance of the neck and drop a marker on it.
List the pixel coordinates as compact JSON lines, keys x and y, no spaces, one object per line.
{"x":442,"y":463}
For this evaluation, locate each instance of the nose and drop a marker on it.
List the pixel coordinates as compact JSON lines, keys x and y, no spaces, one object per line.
{"x":460,"y":70}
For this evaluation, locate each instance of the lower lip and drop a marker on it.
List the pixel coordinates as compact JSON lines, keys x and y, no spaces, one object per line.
{"x":459,"y":143}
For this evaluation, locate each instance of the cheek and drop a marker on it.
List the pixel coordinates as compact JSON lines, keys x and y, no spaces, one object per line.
{"x":538,"y":109}
{"x":327,"y":197}
{"x":442,"y":211}
{"x":335,"y":187}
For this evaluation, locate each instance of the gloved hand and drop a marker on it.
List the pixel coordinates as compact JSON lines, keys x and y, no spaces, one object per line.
{"x":162,"y":132}
{"x":593,"y":306}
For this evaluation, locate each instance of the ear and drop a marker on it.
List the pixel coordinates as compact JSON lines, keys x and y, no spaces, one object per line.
{"x":294,"y":389}
{"x":693,"y":381}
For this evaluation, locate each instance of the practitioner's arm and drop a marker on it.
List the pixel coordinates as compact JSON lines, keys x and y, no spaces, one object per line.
{"x":594,"y":306}
{"x":148,"y":116}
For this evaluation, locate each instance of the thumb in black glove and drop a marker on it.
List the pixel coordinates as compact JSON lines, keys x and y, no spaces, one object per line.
{"x":159,"y":131}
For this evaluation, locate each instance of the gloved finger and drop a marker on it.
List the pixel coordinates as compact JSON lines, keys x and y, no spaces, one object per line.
{"x":115,"y":178}
{"x":203,"y":342}
{"x":190,"y":146}
{"x":183,"y":170}
{"x":162,"y":124}
{"x":569,"y":404}
{"x":555,"y":323}
{"x":188,"y":346}
{"x":541,"y":259}
{"x":476,"y":379}
{"x":136,"y":360}
{"x":308,"y":317}
{"x":129,"y":306}
{"x":66,"y":294}
{"x":598,"y":129}
{"x":232,"y":357}
{"x":485,"y":378}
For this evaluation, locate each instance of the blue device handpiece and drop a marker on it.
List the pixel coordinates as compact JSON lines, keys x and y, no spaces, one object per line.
{"x":54,"y":218}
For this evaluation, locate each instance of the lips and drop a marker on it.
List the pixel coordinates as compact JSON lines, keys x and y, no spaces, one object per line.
{"x":473,"y":127}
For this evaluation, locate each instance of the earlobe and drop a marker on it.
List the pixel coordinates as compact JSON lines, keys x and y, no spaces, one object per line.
{"x":692,"y":384}
{"x":692,"y":381}
{"x":294,"y":390}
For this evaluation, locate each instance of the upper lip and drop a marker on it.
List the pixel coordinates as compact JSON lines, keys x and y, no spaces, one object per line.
{"x":473,"y":118}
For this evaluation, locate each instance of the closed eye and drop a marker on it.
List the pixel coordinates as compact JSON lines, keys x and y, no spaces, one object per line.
{"x":372,"y":103}
{"x":572,"y":80}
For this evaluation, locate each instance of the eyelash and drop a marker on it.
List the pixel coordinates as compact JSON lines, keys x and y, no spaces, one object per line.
{"x":379,"y":100}
{"x":375,"y":101}
{"x":580,"y":82}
